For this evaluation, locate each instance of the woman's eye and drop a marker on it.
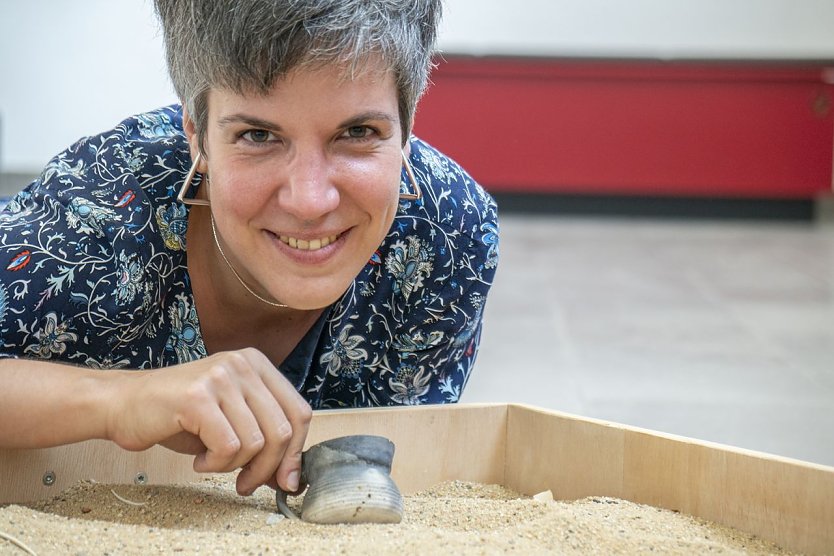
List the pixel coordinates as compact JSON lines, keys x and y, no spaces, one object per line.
{"x":257,"y":135}
{"x":358,"y":131}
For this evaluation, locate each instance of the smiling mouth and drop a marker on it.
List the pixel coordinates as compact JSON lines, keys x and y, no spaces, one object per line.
{"x":308,"y":245}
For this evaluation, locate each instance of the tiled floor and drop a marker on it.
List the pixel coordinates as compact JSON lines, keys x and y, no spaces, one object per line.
{"x":720,"y":331}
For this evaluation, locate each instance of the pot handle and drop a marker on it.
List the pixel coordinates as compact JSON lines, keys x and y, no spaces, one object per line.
{"x":281,"y":502}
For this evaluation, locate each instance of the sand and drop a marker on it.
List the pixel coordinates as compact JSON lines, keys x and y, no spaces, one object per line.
{"x":208,"y":517}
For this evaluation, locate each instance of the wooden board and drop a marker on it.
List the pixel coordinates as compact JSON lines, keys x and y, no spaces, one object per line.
{"x":527,"y":449}
{"x":787,"y":501}
{"x":433,"y":443}
{"x":24,"y":473}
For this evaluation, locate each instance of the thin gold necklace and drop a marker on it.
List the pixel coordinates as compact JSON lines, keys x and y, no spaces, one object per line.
{"x":239,"y":279}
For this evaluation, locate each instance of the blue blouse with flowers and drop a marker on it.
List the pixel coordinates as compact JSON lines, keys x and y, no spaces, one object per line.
{"x":93,"y":272}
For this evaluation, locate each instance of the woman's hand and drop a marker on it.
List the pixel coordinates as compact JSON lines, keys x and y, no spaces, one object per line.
{"x":233,"y":409}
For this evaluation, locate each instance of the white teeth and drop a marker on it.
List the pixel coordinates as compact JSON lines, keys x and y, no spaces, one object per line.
{"x":308,"y":245}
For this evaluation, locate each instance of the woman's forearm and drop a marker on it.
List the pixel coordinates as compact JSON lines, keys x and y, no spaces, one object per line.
{"x":48,"y":404}
{"x":229,"y":410}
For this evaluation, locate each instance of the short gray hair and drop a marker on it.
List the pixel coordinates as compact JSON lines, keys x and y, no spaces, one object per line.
{"x":246,"y":45}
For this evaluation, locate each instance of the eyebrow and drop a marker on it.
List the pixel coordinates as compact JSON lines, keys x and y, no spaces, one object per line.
{"x":369,"y":116}
{"x":248,"y":120}
{"x":264,"y":124}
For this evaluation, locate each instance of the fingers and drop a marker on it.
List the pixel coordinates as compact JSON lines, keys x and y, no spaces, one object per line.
{"x":289,"y":470}
{"x":184,"y":443}
{"x":285,"y":433}
{"x":277,"y":431}
{"x":223,"y":446}
{"x":248,"y":415}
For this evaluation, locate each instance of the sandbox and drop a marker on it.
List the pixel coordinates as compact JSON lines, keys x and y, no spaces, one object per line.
{"x":525,"y":449}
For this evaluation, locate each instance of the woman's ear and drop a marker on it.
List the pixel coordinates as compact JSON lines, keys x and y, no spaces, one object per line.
{"x":193,"y":139}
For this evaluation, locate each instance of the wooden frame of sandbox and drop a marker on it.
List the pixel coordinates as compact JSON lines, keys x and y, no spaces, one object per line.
{"x":524,"y":448}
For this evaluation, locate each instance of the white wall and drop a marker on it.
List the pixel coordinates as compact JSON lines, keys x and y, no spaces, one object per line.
{"x":643,"y":28}
{"x":70,"y":68}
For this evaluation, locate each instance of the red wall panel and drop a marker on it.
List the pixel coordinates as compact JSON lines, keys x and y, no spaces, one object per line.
{"x":720,"y":129}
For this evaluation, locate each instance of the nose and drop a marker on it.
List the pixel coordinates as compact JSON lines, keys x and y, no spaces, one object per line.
{"x":309,"y":191}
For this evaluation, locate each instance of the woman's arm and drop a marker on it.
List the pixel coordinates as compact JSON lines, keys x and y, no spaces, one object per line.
{"x":46,"y":404}
{"x":231,"y":410}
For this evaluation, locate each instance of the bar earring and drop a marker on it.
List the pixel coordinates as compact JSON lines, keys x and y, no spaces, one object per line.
{"x":187,"y":185}
{"x":418,"y":193}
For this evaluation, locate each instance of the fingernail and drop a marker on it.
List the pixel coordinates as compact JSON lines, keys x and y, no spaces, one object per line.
{"x":292,"y":481}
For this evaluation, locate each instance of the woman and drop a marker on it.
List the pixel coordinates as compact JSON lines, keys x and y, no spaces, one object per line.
{"x":278,"y":243}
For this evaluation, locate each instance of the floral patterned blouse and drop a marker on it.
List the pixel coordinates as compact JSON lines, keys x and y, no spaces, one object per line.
{"x":93,"y":272}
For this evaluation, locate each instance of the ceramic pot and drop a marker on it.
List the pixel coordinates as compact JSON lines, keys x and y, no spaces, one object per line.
{"x":349,"y":481}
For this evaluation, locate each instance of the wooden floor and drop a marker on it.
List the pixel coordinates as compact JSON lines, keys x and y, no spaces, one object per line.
{"x":716,"y":330}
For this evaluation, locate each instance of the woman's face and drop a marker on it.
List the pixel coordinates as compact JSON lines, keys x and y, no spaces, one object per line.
{"x":304,"y":181}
